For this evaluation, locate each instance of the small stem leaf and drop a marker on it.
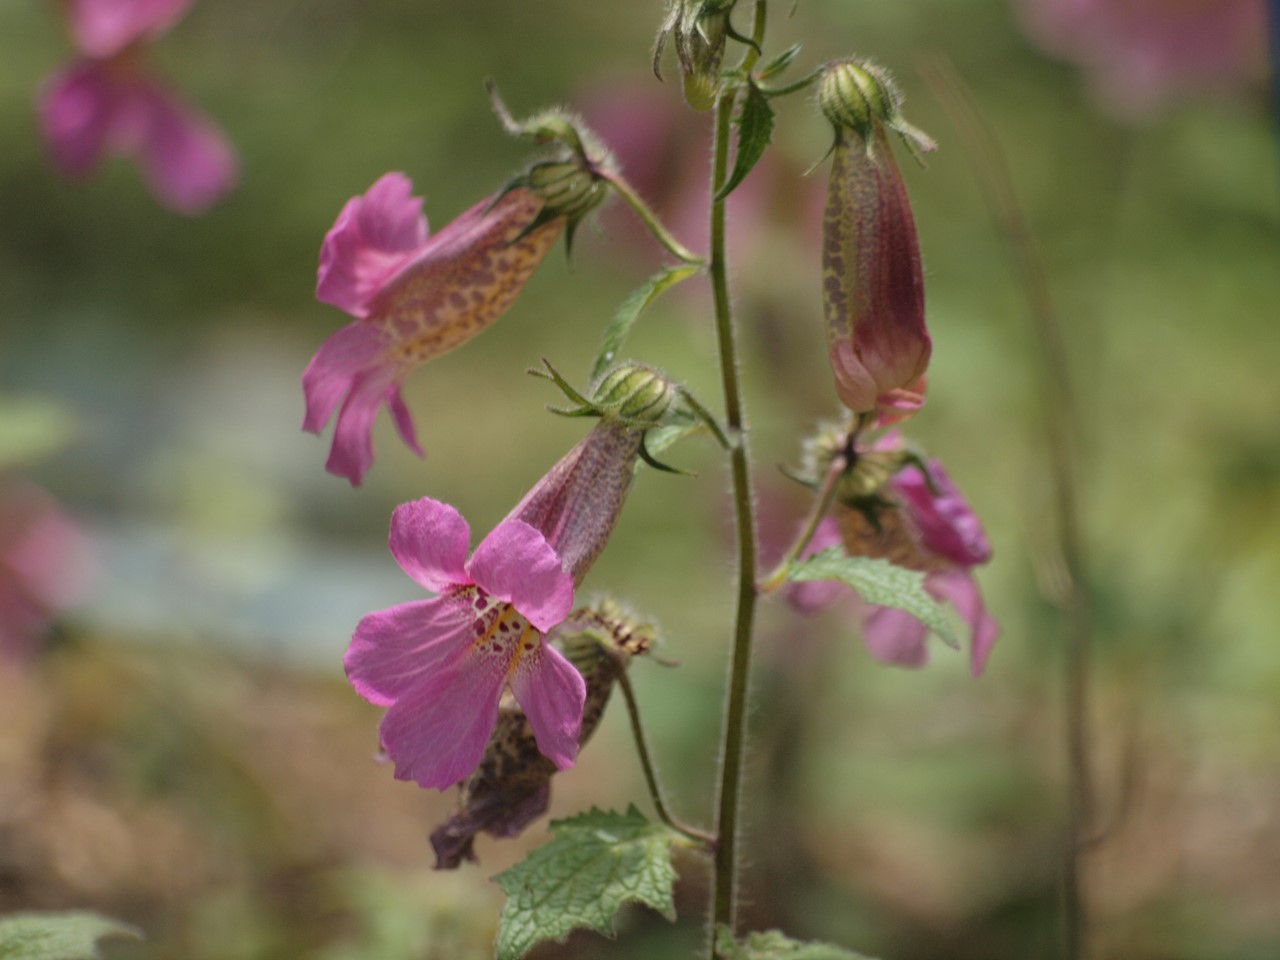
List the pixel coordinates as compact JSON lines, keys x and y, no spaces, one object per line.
{"x":620,"y":326}
{"x":58,"y":936}
{"x":774,"y":945}
{"x":755,"y":131}
{"x":779,"y":63}
{"x":880,"y":582}
{"x":595,"y":863}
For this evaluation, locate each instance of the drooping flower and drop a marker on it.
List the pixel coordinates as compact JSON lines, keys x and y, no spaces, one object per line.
{"x":922,"y":522}
{"x":872,"y":281}
{"x":1139,"y":55}
{"x":442,"y":665}
{"x":416,"y":296}
{"x":106,"y":102}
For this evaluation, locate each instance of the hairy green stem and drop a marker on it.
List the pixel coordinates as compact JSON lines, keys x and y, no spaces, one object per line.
{"x":826,"y":495}
{"x":703,"y":839}
{"x":724,"y":878}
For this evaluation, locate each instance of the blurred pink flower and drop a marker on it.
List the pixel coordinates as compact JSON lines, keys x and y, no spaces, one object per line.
{"x":415,"y":297}
{"x":45,"y":566}
{"x":441,"y":665}
{"x":933,"y":530}
{"x":106,"y":102}
{"x":1141,"y":54}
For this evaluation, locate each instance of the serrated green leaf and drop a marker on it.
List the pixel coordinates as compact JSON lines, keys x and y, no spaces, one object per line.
{"x":595,"y":863}
{"x":57,"y":936}
{"x":755,"y":131}
{"x":775,"y":945}
{"x":780,"y":62}
{"x":881,"y":582}
{"x":31,"y":429}
{"x":622,"y":322}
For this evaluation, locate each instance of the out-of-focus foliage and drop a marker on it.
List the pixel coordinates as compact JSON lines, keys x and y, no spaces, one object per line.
{"x":185,"y":754}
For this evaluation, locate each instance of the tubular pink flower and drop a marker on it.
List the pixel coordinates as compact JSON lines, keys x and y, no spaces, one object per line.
{"x":102,"y":28}
{"x":415,"y":297}
{"x":105,"y":103}
{"x":931,"y":529}
{"x":441,"y":665}
{"x":93,"y":108}
{"x":872,"y":281}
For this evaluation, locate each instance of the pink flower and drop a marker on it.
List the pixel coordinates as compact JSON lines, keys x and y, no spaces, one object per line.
{"x":441,"y":665}
{"x":1141,"y":54}
{"x":105,"y":102}
{"x":872,"y":280}
{"x":44,"y":567}
{"x":415,"y":297}
{"x":932,"y":530}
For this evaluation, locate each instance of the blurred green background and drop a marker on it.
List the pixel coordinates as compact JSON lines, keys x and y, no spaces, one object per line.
{"x":184,"y":753}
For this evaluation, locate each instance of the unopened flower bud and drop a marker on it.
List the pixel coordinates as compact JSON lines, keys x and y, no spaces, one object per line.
{"x":635,"y":392}
{"x":567,"y":188}
{"x":855,"y":95}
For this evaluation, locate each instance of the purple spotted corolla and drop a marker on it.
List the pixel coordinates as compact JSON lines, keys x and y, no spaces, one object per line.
{"x":441,"y":665}
{"x":106,"y":101}
{"x":417,"y":295}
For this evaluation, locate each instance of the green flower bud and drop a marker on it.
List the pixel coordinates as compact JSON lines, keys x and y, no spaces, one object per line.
{"x":635,"y":392}
{"x":567,"y":188}
{"x":855,"y":95}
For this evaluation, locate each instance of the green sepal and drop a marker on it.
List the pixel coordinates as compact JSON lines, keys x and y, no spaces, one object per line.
{"x":594,"y":863}
{"x":880,"y":582}
{"x":779,"y":63}
{"x":755,"y":131}
{"x":73,"y":935}
{"x":648,"y":458}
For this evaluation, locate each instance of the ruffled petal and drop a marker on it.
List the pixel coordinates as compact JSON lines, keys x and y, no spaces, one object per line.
{"x":961,"y":589}
{"x":78,"y":109}
{"x":437,"y":731}
{"x":551,"y":692}
{"x":351,"y":455}
{"x":947,"y":524}
{"x":429,"y":540}
{"x":332,"y":372}
{"x":895,"y":636}
{"x":374,"y":235}
{"x":185,"y":158}
{"x":396,"y":649}
{"x":105,"y":27}
{"x":515,"y":564}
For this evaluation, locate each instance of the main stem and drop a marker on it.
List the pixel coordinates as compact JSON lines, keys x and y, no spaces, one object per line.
{"x":735,"y":717}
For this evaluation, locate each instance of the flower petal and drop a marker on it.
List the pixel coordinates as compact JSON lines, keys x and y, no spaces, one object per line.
{"x":332,"y":372}
{"x":551,"y":692}
{"x":403,"y":420}
{"x":185,"y":158}
{"x":351,"y":455}
{"x":516,"y":564}
{"x":947,"y":524}
{"x":961,"y":589}
{"x":396,"y":649}
{"x":429,"y":540}
{"x":895,"y":636}
{"x":105,"y":27}
{"x":437,"y":731}
{"x":78,"y":110}
{"x":374,"y":236}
